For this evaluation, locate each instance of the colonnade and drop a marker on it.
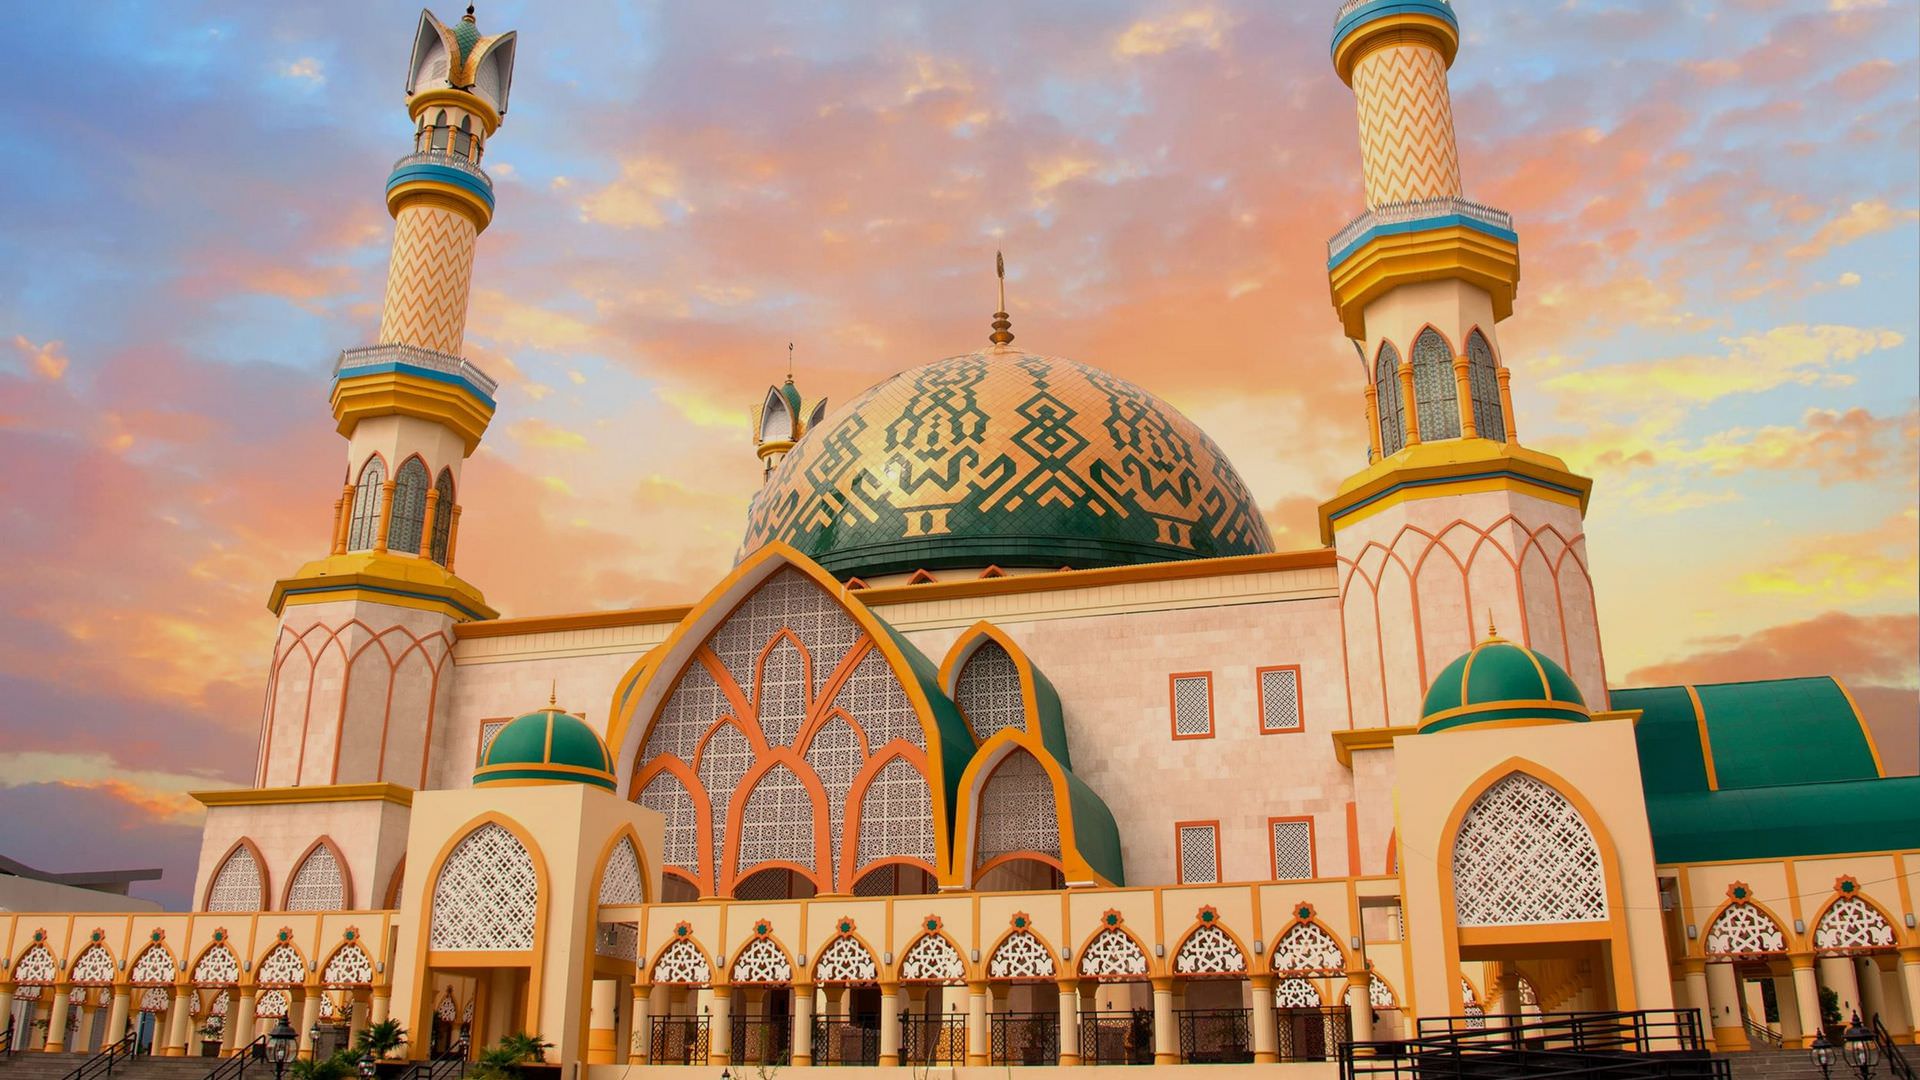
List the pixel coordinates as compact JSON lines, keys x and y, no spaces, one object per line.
{"x":1720,"y":989}
{"x":174,"y":1027}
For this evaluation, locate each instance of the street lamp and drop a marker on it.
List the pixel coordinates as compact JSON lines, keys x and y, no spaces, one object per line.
{"x":281,"y":1042}
{"x":313,"y":1039}
{"x":367,"y":1066}
{"x":1862,"y":1051}
{"x":1821,"y":1051}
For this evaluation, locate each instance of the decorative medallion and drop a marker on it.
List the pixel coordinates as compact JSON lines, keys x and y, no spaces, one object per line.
{"x":845,"y":925}
{"x":682,"y":929}
{"x":97,"y":936}
{"x":762,"y":928}
{"x":1738,"y":890}
{"x":1111,"y":917}
{"x":1020,"y":920}
{"x":1846,"y":885}
{"x":1208,"y":914}
{"x":1304,"y":911}
{"x":932,"y":922}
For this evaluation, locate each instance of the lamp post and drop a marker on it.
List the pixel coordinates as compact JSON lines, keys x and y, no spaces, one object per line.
{"x":1821,"y":1051}
{"x":281,"y":1043}
{"x":367,"y":1066}
{"x":1862,"y":1051}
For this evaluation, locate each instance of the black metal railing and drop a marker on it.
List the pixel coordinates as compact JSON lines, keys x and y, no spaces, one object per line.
{"x":235,"y":1067}
{"x":936,"y":1039}
{"x":1642,"y":1043}
{"x":762,"y":1041}
{"x":1311,"y":1034}
{"x":102,"y":1063}
{"x":840,"y":1039}
{"x":678,"y":1040}
{"x":1761,"y":1035}
{"x":1890,"y":1052}
{"x":1215,"y":1036}
{"x":1024,"y":1038}
{"x":6,"y":1038}
{"x":448,"y":1064}
{"x":1117,"y":1037}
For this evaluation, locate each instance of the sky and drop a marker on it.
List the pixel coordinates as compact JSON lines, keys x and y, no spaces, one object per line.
{"x":1718,"y":203}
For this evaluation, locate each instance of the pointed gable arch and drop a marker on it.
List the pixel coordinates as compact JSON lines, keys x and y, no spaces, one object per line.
{"x":682,"y":961}
{"x":1112,"y":953}
{"x":1307,"y":947}
{"x":1743,"y":927}
{"x":1021,"y":954}
{"x":933,"y":957}
{"x":282,"y":965}
{"x":1209,"y":949}
{"x":1087,"y":848}
{"x":779,"y":633}
{"x":349,"y":965}
{"x":846,"y":959}
{"x":240,"y":882}
{"x":987,"y":671}
{"x":762,"y":960}
{"x":93,"y":967}
{"x":155,"y":966}
{"x":321,"y":879}
{"x":1851,"y":923}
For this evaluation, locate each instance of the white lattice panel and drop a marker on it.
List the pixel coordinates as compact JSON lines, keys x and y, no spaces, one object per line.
{"x":489,"y":730}
{"x":620,"y":940}
{"x":270,"y":1005}
{"x":875,"y":700}
{"x":723,"y":761}
{"x":1209,"y":950}
{"x":777,"y":823}
{"x":217,"y":967}
{"x":620,"y":881}
{"x":1199,"y":854}
{"x":35,"y":966}
{"x":932,"y":958}
{"x":696,"y":702}
{"x":1112,"y":954}
{"x":93,"y":966}
{"x":1192,"y":705}
{"x":487,"y":895}
{"x":1523,"y":856}
{"x":1017,"y":810}
{"x":845,"y":961}
{"x":762,"y":961}
{"x":1306,"y":948}
{"x":780,"y":701}
{"x":1021,"y":955}
{"x":896,"y":815}
{"x":682,"y":964}
{"x":1292,"y":850}
{"x":1295,"y":993}
{"x":787,"y":600}
{"x":448,"y":1010}
{"x":1742,"y":929}
{"x":1379,"y":994}
{"x":667,"y":796}
{"x":281,"y":967}
{"x":154,"y":999}
{"x":350,"y":966}
{"x":1852,"y":925}
{"x":153,"y":968}
{"x":238,"y":886}
{"x":318,"y":884}
{"x":988,"y":691}
{"x":834,"y":755}
{"x":1280,"y":700}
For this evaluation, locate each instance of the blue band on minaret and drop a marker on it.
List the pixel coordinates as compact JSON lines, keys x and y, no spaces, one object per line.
{"x":440,"y":174}
{"x":1378,"y":9}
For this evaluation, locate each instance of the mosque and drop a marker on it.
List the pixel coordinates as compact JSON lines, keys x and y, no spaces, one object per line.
{"x":1010,"y":739}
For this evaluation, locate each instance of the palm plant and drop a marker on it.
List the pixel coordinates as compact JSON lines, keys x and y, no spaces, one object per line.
{"x":381,"y":1039}
{"x":526,"y":1047}
{"x":338,"y":1066}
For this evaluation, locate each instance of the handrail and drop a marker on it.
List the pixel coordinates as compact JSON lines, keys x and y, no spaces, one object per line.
{"x":451,"y":161}
{"x":1398,"y":213}
{"x":235,"y":1067}
{"x":101,"y":1064}
{"x":6,"y":1038}
{"x":449,"y":1062}
{"x":1890,"y":1051}
{"x":431,"y":359}
{"x":1645,"y":1043}
{"x":1757,"y":1030}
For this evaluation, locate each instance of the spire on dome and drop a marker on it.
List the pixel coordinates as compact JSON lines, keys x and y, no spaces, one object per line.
{"x":1002,"y":326}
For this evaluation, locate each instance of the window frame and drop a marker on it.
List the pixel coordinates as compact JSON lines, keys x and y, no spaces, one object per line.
{"x":480,"y":740}
{"x":1313,"y":847}
{"x":1173,"y":705}
{"x":1180,"y":864}
{"x":1299,"y":699}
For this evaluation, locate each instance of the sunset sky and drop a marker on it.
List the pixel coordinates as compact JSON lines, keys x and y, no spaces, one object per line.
{"x":1718,"y":204}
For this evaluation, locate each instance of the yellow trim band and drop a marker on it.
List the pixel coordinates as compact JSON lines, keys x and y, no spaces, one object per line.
{"x":1450,"y":252}
{"x":1374,"y":738}
{"x":290,"y":796}
{"x":397,"y":393}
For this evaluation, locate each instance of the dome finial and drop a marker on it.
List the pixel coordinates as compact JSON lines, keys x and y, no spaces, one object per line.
{"x":469,"y":15}
{"x":553,"y":695}
{"x":1002,"y":326}
{"x":789,"y":363}
{"x":1492,"y":631}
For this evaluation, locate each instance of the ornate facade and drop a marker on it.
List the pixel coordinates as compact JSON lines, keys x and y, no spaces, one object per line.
{"x":1009,"y":738}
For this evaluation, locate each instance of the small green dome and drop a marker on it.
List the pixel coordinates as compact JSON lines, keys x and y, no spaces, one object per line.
{"x":1500,"y":682}
{"x":549,"y":746}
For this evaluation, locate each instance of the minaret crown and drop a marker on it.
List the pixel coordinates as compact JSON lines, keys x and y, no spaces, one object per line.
{"x":782,"y":418}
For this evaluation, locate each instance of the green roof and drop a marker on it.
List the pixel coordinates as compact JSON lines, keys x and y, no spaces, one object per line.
{"x":1499,"y":680}
{"x":547,"y":745}
{"x":1786,"y":770}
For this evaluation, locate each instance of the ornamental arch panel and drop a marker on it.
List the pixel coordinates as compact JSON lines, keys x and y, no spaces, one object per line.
{"x":621,"y":879}
{"x":1210,"y":950}
{"x":93,"y":967}
{"x":349,"y":966}
{"x":1113,"y":954}
{"x":1435,"y":395}
{"x":319,"y":881}
{"x":846,"y":961}
{"x":682,"y":962}
{"x":154,"y":967}
{"x":282,"y":966}
{"x":1307,"y":948}
{"x":217,"y":966}
{"x":1018,"y":813}
{"x":1294,"y":992}
{"x":486,"y":895}
{"x":1743,"y":929}
{"x":1387,"y":401}
{"x":1524,"y":855}
{"x":988,"y":691}
{"x":933,"y":958}
{"x":762,"y":961}
{"x":240,"y":884}
{"x":1021,"y":956}
{"x":1851,"y":925}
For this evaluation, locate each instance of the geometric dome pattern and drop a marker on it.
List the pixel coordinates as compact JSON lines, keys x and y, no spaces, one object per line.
{"x":1002,"y":457}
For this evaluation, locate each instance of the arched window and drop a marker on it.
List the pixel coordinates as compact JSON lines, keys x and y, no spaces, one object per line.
{"x":988,"y":691}
{"x":443,"y":516}
{"x":776,"y":825}
{"x":318,"y":884}
{"x":440,"y":131}
{"x":364,"y":528}
{"x":420,"y":134}
{"x":1433,"y":391}
{"x":487,"y":895}
{"x":1017,"y":811}
{"x":463,"y":139}
{"x":1524,"y":855}
{"x":239,"y":884}
{"x":1483,"y":381}
{"x":409,"y":507}
{"x":1393,"y":411}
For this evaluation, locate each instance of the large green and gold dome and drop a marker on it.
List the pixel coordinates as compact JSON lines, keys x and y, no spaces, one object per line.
{"x":1005,"y":458}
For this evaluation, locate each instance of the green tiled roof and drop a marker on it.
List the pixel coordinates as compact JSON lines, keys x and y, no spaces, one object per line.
{"x":1784,"y":821}
{"x":1784,"y":731}
{"x":956,"y":738}
{"x":1499,"y":680}
{"x":547,"y":745}
{"x":1095,"y":834}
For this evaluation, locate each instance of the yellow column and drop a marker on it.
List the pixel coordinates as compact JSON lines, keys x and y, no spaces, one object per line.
{"x":1873,"y":988}
{"x":1360,"y":1007}
{"x":1723,"y":1006}
{"x":382,"y":1002}
{"x":720,"y":1027}
{"x":82,"y":1037}
{"x":1463,"y":398}
{"x":1792,"y":1033}
{"x":178,"y":1023}
{"x":117,"y":1014}
{"x":1506,"y":401}
{"x":1069,"y":1021}
{"x":978,"y":1049}
{"x":1837,"y":975}
{"x":242,"y":1024}
{"x":640,"y":1024}
{"x":1166,"y":1037}
{"x":1266,"y":1037}
{"x":309,"y":1019}
{"x":1510,"y":997}
{"x":1373,"y":419}
{"x":1806,"y":995}
{"x":453,"y":536}
{"x":426,"y":524}
{"x":600,"y":1027}
{"x":1409,"y":408}
{"x":889,"y":1023}
{"x":57,"y":1020}
{"x":386,"y":515}
{"x":342,"y":510}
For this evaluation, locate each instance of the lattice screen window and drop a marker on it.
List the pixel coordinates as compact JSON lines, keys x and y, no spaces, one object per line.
{"x":762,"y":961}
{"x":350,"y":966}
{"x":834,"y":756}
{"x":988,"y":691}
{"x":932,"y":959}
{"x":216,"y":967}
{"x":489,"y":730}
{"x":36,"y":966}
{"x":487,"y":894}
{"x":1524,"y":855}
{"x":780,"y":701}
{"x":1295,"y":993}
{"x":667,"y":796}
{"x":1199,"y":854}
{"x":1742,"y":929}
{"x":1192,"y":706}
{"x":777,"y":823}
{"x":723,"y":762}
{"x":1434,"y":393}
{"x":92,"y":966}
{"x":1209,"y":950}
{"x":620,"y":881}
{"x":1292,"y":850}
{"x":409,"y":511}
{"x":1112,"y":954}
{"x":281,"y":967}
{"x":238,"y":885}
{"x":787,"y":600}
{"x":1021,"y":955}
{"x":153,"y":968}
{"x":1852,"y":925}
{"x":1483,"y":382}
{"x":845,"y":960}
{"x":896,"y":815}
{"x":1017,"y":810}
{"x":683,"y":964}
{"x":1386,"y":380}
{"x":876,"y":701}
{"x":318,"y":884}
{"x":1280,"y":699}
{"x":1307,"y":948}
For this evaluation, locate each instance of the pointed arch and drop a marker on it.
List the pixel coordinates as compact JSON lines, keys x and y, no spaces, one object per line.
{"x":1113,"y":953}
{"x":667,"y":793}
{"x":394,"y":882}
{"x":348,"y":965}
{"x":487,"y":890}
{"x":1387,"y":400}
{"x":933,"y":958}
{"x":155,"y":966}
{"x":1021,"y":954}
{"x":92,"y":967}
{"x":777,"y":421}
{"x":1307,"y":947}
{"x":1483,"y":383}
{"x":778,"y":820}
{"x":1209,"y":949}
{"x":409,"y":513}
{"x":281,"y":965}
{"x":683,"y":961}
{"x":1851,"y":923}
{"x":313,"y":884}
{"x":440,"y":544}
{"x":846,"y":960}
{"x":363,"y":527}
{"x":1087,"y":851}
{"x":1556,"y":878}
{"x":621,"y":871}
{"x":1435,"y":395}
{"x":1743,"y":928}
{"x":217,"y":964}
{"x":761,"y":961}
{"x":894,"y":799}
{"x":35,"y":965}
{"x":238,"y":885}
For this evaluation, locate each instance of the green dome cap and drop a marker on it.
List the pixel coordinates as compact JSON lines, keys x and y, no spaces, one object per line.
{"x":1500,"y":682}
{"x":549,"y":746}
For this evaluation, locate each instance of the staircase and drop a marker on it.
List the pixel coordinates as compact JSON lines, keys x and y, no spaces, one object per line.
{"x":35,"y":1065}
{"x":1780,"y":1065}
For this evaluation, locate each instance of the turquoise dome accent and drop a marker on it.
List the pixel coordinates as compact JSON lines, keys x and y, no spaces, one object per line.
{"x":549,"y":746}
{"x":1499,"y":681}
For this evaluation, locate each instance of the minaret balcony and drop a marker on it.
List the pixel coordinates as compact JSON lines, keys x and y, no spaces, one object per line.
{"x":439,"y":174}
{"x":406,"y":380}
{"x":1396,"y":244}
{"x":1413,"y":216}
{"x":377,"y":359}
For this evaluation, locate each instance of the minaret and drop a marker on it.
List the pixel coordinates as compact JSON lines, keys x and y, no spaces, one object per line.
{"x":780,"y":419}
{"x":1453,"y":519}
